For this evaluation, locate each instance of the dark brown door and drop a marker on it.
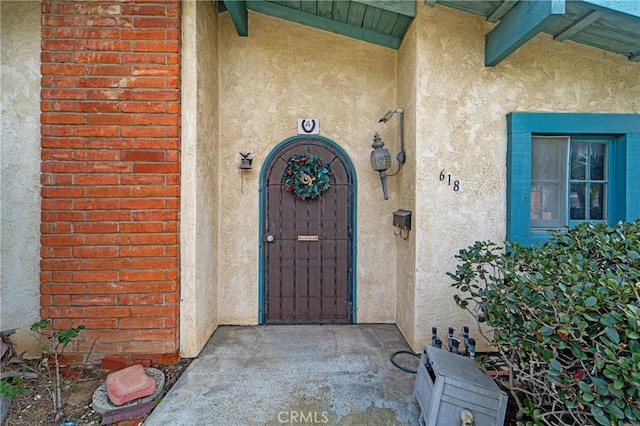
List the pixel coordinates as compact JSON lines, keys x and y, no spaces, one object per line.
{"x":307,"y":241}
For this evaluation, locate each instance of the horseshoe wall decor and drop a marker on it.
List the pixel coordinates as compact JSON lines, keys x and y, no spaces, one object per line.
{"x":308,"y":126}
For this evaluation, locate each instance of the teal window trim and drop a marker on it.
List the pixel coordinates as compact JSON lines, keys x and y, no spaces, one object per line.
{"x":624,"y":129}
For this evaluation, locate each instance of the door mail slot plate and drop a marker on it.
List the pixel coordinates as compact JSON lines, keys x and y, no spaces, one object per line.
{"x":307,"y":238}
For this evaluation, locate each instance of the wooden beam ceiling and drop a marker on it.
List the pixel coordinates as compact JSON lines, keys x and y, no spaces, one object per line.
{"x":612,"y":25}
{"x":382,"y":22}
{"x":520,"y":25}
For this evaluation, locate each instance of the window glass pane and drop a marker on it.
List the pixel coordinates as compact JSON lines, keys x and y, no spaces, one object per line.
{"x":598,"y":161}
{"x":578,"y":201}
{"x":546,"y":155}
{"x":579,"y":160}
{"x":588,"y":185}
{"x":598,"y":201}
{"x":549,"y":182}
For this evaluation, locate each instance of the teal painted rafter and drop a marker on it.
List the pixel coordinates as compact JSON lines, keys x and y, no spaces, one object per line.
{"x":612,"y":25}
{"x":579,"y":25}
{"x":407,"y":8}
{"x":323,"y":23}
{"x":238,"y":12}
{"x":521,"y":24}
{"x":501,"y":10}
{"x":625,"y":7}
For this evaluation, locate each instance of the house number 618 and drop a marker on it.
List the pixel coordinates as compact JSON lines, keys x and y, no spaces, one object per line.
{"x":450,"y":182}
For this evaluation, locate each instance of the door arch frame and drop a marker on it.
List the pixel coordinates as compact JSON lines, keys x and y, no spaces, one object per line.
{"x":351,"y":172}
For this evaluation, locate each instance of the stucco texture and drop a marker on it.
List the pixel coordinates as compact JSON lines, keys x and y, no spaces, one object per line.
{"x":245,"y":94}
{"x":407,"y":71}
{"x":460,"y":117}
{"x":455,"y":123}
{"x":199,"y":201}
{"x":282,"y":72}
{"x":20,"y":171}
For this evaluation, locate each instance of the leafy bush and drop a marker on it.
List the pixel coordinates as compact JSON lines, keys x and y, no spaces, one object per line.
{"x":565,"y":317}
{"x":11,"y":386}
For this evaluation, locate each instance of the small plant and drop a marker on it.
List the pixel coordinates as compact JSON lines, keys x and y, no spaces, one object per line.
{"x":53,"y":342}
{"x":11,"y":386}
{"x":73,"y":388}
{"x":565,"y":318}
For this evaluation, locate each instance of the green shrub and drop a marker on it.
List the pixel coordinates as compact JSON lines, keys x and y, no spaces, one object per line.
{"x":565,"y":318}
{"x":11,"y":386}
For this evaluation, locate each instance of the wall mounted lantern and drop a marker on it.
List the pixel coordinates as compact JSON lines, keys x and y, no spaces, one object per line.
{"x":380,"y":161}
{"x":245,"y":162}
{"x":380,"y":157}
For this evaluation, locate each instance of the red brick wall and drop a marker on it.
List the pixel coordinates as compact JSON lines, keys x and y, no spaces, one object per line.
{"x":111,"y":174}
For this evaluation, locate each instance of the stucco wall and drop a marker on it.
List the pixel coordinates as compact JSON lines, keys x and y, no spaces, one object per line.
{"x":20,"y":170}
{"x":461,"y":126}
{"x":282,"y":72}
{"x":199,"y":192}
{"x":407,"y":79}
{"x":245,"y":94}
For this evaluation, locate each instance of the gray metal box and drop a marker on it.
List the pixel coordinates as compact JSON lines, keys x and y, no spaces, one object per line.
{"x":447,"y":383}
{"x":402,"y":219}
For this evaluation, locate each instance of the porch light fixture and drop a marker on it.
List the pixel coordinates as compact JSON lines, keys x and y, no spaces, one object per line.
{"x":245,"y":162}
{"x":380,"y":161}
{"x":380,"y":157}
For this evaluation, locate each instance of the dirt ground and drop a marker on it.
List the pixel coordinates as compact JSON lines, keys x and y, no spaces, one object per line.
{"x":35,"y":408}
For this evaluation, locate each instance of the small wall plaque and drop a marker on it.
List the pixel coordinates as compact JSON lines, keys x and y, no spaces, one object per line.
{"x":308,"y":126}
{"x":307,"y":238}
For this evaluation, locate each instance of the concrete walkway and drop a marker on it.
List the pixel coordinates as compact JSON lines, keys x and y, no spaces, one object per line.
{"x":277,"y":375}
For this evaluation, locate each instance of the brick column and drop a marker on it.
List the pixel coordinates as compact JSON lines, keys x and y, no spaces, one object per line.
{"x":111,"y":175}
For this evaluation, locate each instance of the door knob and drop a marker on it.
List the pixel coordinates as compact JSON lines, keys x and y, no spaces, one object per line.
{"x":269,"y":238}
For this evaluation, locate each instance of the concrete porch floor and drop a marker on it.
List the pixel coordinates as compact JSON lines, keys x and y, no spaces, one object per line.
{"x":302,"y":374}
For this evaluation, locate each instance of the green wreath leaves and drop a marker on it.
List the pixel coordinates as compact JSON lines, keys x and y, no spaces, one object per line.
{"x":307,"y":176}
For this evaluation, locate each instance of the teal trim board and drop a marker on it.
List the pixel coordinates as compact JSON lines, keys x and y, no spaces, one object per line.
{"x":611,"y":25}
{"x":520,"y":25}
{"x":407,"y":8}
{"x":339,"y":24}
{"x":632,"y":175}
{"x":624,"y":7}
{"x":623,"y":129}
{"x":239,"y":16}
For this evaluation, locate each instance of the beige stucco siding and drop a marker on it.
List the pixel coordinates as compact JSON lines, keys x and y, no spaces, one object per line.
{"x":245,"y":94}
{"x":455,"y":121}
{"x":461,"y":125}
{"x":20,"y":171}
{"x":199,"y":201}
{"x":282,"y":72}
{"x":407,"y":81}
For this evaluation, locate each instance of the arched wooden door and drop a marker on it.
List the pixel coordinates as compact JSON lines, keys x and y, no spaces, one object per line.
{"x":307,"y":243}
